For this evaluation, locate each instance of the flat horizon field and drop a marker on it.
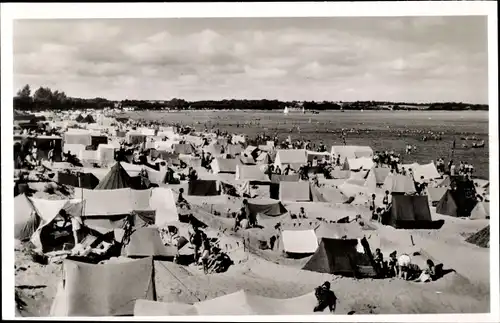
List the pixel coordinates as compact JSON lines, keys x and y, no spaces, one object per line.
{"x":378,"y":129}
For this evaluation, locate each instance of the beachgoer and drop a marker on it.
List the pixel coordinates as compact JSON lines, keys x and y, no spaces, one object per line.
{"x":385,"y":200}
{"x":379,"y":259}
{"x":428,"y":274}
{"x":372,"y":203}
{"x":277,"y":170}
{"x":76,"y":224}
{"x":326,"y":298}
{"x":181,"y":201}
{"x":393,"y":264}
{"x":302,"y":213}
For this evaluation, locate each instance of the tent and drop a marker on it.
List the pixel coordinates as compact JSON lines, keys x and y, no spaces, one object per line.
{"x":185,"y":149}
{"x":362,"y":163}
{"x":106,"y":154}
{"x":146,"y":242}
{"x":376,"y":177}
{"x":341,"y":257}
{"x":459,"y":200}
{"x":311,"y":155}
{"x":399,"y":184}
{"x":435,"y":194}
{"x":116,"y":178}
{"x":293,"y":157}
{"x":246,"y":159}
{"x":79,"y":118}
{"x":251,"y":173}
{"x":88,"y":119}
{"x":214,"y":149}
{"x":238,"y":303}
{"x":481,"y":238}
{"x":162,"y":200}
{"x":72,"y":137}
{"x":263,"y":158}
{"x":340,"y":174}
{"x":234,"y":150}
{"x":428,"y":171}
{"x":134,"y":138}
{"x":26,"y":221}
{"x":103,"y":290}
{"x":299,"y":241}
{"x":409,"y":211}
{"x":274,"y":190}
{"x":327,"y":194}
{"x":267,"y":207}
{"x":79,"y":179}
{"x":295,"y":191}
{"x":203,"y":188}
{"x":480,"y":211}
{"x":350,"y":152}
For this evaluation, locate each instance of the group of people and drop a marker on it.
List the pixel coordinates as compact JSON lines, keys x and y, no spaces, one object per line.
{"x":244,"y":219}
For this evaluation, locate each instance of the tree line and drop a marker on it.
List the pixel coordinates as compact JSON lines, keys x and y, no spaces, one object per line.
{"x":45,"y":98}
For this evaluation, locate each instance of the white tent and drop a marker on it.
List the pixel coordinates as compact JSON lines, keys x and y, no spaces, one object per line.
{"x":293,"y":157}
{"x":299,"y":241}
{"x":351,"y":152}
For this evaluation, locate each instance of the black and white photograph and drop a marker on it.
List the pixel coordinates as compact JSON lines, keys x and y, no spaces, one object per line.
{"x":310,"y":165}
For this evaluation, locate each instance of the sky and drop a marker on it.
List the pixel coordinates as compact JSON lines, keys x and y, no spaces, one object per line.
{"x":410,"y":59}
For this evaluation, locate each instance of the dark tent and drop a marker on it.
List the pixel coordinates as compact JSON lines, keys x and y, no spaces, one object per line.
{"x":116,"y":178}
{"x":146,"y":242}
{"x":410,"y":212}
{"x":88,"y":119}
{"x":203,"y":188}
{"x":270,"y":208}
{"x":459,"y":200}
{"x":96,"y":140}
{"x":342,"y":257}
{"x":86,"y":180}
{"x":80,"y":118}
{"x":480,"y":238}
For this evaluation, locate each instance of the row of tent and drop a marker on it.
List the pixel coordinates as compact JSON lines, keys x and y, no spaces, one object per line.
{"x":129,"y":288}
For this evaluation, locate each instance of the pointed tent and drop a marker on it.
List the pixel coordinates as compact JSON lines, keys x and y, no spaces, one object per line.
{"x":88,"y":119}
{"x":79,"y":118}
{"x":116,"y":178}
{"x":376,"y":177}
{"x":435,"y":194}
{"x":480,"y":211}
{"x":481,"y":238}
{"x":26,"y":221}
{"x":341,"y":257}
{"x":460,"y":200}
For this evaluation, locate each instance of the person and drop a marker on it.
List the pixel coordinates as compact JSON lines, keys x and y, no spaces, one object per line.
{"x":181,"y":201}
{"x":403,"y":171}
{"x":379,"y":259}
{"x":377,"y":215}
{"x":393,"y":264}
{"x":427,"y":274}
{"x":277,"y":170}
{"x":302,"y":213}
{"x":205,"y":254}
{"x":76,"y":224}
{"x":287,"y":170}
{"x":252,"y":219}
{"x":326,"y":298}
{"x":452,"y":170}
{"x":372,"y":203}
{"x":385,"y":200}
{"x":422,"y":185}
{"x":242,"y":215}
{"x":196,"y":238}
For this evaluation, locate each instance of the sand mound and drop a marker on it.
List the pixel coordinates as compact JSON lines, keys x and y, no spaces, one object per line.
{"x":481,"y":238}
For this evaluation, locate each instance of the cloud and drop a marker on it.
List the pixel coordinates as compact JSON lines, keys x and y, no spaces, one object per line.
{"x":400,"y":59}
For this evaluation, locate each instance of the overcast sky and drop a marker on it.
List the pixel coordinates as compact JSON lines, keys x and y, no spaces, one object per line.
{"x":400,"y":59}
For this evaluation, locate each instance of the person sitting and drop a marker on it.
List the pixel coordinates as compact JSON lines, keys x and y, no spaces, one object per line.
{"x":372,"y":203}
{"x":393,"y":265}
{"x":205,"y":254}
{"x":428,"y":274}
{"x":326,"y":298}
{"x":181,"y":201}
{"x":377,"y":215}
{"x":302,"y":213}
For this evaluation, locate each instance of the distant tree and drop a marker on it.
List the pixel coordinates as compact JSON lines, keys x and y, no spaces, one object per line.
{"x":43,"y":97}
{"x":25,"y":92}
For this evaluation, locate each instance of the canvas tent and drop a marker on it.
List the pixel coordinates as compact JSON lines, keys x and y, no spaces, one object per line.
{"x":116,"y":178}
{"x":459,"y":200}
{"x":203,"y":188}
{"x":341,"y":257}
{"x":376,"y":177}
{"x":362,"y":163}
{"x":146,"y":242}
{"x":267,"y":207}
{"x":435,"y":194}
{"x":251,"y":173}
{"x":351,"y":152}
{"x":399,"y":184}
{"x":299,"y":241}
{"x":88,"y":119}
{"x":238,"y":303}
{"x":480,"y":211}
{"x":77,"y":137}
{"x":428,"y":171}
{"x":293,"y":157}
{"x":103,"y":290}
{"x":409,"y":211}
{"x":162,"y":200}
{"x":26,"y":221}
{"x":295,"y":191}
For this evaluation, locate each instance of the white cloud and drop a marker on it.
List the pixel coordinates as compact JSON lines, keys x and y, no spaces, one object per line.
{"x":401,"y":59}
